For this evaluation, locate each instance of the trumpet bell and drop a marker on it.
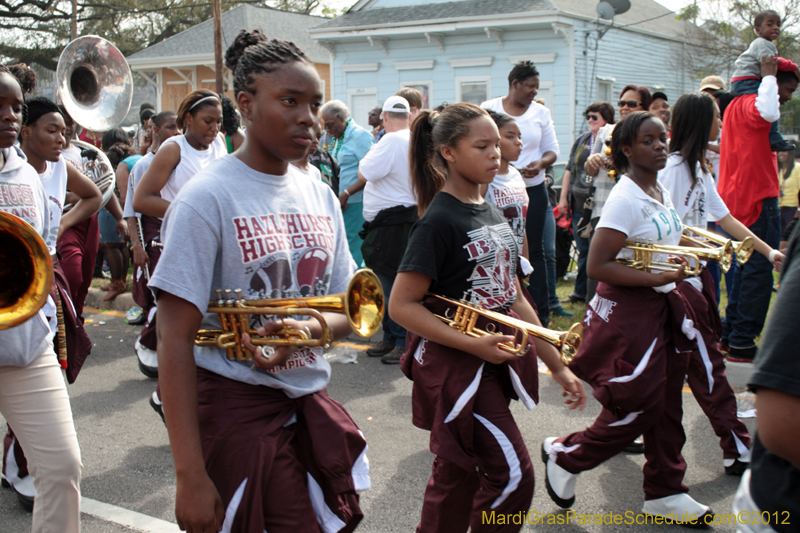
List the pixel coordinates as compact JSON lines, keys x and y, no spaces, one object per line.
{"x":364,"y":301}
{"x":744,"y":250}
{"x":26,"y":271}
{"x":94,"y":82}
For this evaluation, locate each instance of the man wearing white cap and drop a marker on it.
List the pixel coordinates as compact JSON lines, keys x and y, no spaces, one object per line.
{"x":390,"y":209}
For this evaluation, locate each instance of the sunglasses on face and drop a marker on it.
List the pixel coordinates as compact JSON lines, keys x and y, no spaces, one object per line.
{"x":633,"y":104}
{"x":592,"y":117}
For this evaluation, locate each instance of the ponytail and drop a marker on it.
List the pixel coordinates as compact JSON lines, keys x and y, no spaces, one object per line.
{"x":426,"y":178}
{"x":431,"y":131}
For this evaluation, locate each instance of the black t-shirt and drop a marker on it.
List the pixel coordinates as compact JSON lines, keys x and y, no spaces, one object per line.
{"x":468,"y":250}
{"x":579,"y":189}
{"x":775,"y":482}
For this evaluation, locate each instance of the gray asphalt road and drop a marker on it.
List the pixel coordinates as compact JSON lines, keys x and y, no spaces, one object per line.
{"x":127,"y":460}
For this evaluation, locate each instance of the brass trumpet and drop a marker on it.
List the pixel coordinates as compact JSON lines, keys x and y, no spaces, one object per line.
{"x":362,"y":303}
{"x":466,"y":316}
{"x":643,"y":253}
{"x":26,"y":271}
{"x":742,"y":249}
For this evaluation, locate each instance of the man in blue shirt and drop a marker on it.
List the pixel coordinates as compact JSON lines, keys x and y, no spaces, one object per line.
{"x":350,"y":144}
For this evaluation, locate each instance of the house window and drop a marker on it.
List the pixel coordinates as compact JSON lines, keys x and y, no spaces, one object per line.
{"x":475,"y":89}
{"x":605,"y":90}
{"x":424,"y":87}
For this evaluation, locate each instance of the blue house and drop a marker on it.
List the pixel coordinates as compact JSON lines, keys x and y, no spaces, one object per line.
{"x":463,"y":50}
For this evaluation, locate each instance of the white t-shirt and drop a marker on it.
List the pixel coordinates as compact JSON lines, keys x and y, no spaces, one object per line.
{"x":73,"y":155}
{"x":271,"y":236}
{"x":135,"y":175}
{"x":312,"y":172}
{"x":54,"y":181}
{"x":192,"y":162}
{"x":22,"y":195}
{"x":631,"y":211}
{"x":538,"y":135}
{"x":507,"y":193}
{"x":695,"y":204}
{"x":386,"y":169}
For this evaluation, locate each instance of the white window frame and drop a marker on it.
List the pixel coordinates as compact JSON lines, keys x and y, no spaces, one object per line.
{"x":429,"y":83}
{"x":359,"y":91}
{"x":605,"y":80}
{"x":481,"y":78}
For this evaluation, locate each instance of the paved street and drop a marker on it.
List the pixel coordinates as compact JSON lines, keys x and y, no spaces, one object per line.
{"x":127,"y":461}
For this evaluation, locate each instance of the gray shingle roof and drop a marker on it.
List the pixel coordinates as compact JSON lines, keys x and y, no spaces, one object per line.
{"x":639,"y":16}
{"x":275,"y":23}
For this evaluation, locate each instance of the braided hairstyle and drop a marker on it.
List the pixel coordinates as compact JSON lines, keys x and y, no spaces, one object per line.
{"x":38,"y":107}
{"x":25,"y":75}
{"x":431,"y":131}
{"x":252,"y":52}
{"x":230,"y":120}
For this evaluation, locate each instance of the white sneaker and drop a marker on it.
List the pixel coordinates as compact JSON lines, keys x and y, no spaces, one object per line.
{"x":680,"y":509}
{"x":560,"y":483}
{"x":148,"y":360}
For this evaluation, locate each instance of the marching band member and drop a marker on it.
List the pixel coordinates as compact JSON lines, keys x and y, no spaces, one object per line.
{"x":33,"y":395}
{"x":634,"y":350}
{"x":695,"y":123}
{"x":145,"y":256}
{"x":462,"y":246}
{"x":258,"y":445}
{"x":178,"y":160}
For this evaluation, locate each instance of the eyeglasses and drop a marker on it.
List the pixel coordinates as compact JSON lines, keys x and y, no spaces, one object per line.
{"x":633,"y":104}
{"x":592,"y":117}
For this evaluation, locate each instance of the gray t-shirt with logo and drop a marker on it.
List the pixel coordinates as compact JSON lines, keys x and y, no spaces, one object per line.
{"x":231,"y":227}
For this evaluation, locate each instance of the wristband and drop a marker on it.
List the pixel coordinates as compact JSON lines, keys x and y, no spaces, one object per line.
{"x":772,"y":255}
{"x":347,"y":193}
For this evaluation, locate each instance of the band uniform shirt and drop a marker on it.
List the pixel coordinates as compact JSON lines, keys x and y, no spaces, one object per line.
{"x":22,"y":195}
{"x":73,"y":156}
{"x":507,"y":193}
{"x":312,"y":172}
{"x":775,"y":482}
{"x":748,"y":170}
{"x":468,"y":251}
{"x":192,"y":161}
{"x":135,"y":175}
{"x":54,"y":181}
{"x":538,"y":135}
{"x":695,"y":203}
{"x":270,"y":236}
{"x":386,"y":169}
{"x":631,"y":211}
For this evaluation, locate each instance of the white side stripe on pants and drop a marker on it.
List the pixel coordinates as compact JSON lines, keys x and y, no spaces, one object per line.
{"x":514,"y":470}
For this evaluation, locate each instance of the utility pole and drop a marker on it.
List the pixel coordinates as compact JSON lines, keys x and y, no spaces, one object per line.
{"x":217,"y":43}
{"x":74,"y":21}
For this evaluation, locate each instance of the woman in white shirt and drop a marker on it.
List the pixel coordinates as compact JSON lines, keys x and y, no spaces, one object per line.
{"x":539,"y":151}
{"x":695,"y":123}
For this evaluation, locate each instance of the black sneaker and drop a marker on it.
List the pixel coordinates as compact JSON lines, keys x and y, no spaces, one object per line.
{"x":783,"y":146}
{"x":560,"y":311}
{"x":155,"y":403}
{"x":573,"y":300}
{"x":637,"y":446}
{"x":380,"y":349}
{"x":737,"y":468}
{"x":741,"y":355}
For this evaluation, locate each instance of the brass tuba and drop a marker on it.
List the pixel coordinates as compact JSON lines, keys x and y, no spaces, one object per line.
{"x":742,"y":249}
{"x":466,"y":316}
{"x":96,"y":87}
{"x":362,"y":303}
{"x":26,"y":271}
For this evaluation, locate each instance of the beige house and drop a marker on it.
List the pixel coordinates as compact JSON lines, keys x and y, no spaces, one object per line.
{"x":185,"y":62}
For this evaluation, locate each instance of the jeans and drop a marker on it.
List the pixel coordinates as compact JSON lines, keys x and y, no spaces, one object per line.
{"x":751,"y":87}
{"x":353,"y":222}
{"x":393,"y":333}
{"x":713,"y":268}
{"x":582,"y":245}
{"x":752,"y":284}
{"x":550,"y":256}
{"x":534,"y":228}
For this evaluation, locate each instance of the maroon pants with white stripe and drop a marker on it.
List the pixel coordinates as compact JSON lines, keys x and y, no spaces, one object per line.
{"x":455,"y":499}
{"x":706,"y":374}
{"x":629,"y":358}
{"x":78,"y":248}
{"x":142,"y":295}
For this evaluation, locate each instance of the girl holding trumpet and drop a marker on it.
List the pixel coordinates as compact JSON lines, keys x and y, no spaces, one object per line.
{"x":695,"y":123}
{"x":636,"y":342}
{"x":463,"y":248}
{"x":256,"y":441}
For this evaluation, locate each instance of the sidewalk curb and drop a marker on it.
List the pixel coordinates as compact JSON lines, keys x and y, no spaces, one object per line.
{"x":123,"y":302}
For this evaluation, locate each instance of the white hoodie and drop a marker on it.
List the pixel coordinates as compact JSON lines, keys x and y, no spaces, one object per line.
{"x":22,"y":195}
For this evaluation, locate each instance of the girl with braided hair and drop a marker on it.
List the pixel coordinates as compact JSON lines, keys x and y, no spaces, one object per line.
{"x":462,"y":247}
{"x":258,"y":444}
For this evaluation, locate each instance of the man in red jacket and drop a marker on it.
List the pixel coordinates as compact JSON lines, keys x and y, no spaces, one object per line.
{"x":748,"y":183}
